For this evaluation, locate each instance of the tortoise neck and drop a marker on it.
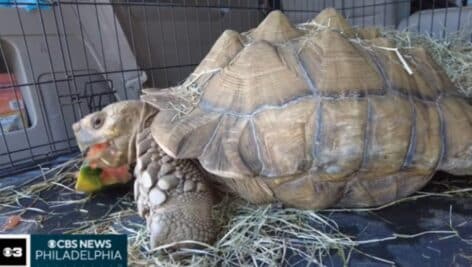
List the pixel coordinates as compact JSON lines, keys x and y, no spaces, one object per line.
{"x":146,"y":117}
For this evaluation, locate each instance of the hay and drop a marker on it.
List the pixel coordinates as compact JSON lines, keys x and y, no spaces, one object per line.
{"x":62,"y":175}
{"x":453,"y":53}
{"x":265,"y":235}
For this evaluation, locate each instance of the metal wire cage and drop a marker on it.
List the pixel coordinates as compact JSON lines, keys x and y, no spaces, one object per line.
{"x":61,"y":60}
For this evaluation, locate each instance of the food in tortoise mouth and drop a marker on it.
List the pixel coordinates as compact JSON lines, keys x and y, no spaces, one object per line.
{"x":88,"y":179}
{"x":94,"y":175}
{"x":313,"y":116}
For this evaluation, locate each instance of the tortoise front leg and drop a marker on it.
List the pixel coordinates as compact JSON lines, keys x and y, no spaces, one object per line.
{"x":172,"y":195}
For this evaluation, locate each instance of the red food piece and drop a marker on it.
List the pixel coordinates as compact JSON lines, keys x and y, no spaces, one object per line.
{"x":96,"y":150}
{"x":12,"y":222}
{"x":115,"y":175}
{"x":109,"y":175}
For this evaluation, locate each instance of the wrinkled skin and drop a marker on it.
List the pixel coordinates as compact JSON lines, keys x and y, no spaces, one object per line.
{"x":171,"y":194}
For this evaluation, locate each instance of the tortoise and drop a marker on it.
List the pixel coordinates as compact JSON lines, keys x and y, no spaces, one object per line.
{"x":311,"y":116}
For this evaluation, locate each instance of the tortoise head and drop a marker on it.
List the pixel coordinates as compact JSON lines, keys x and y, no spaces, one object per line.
{"x":107,"y":138}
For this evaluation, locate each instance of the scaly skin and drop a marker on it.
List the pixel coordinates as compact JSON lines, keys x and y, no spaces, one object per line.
{"x":173,"y":195}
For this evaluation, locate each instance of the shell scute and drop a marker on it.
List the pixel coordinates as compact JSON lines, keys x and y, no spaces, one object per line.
{"x":221,"y":154}
{"x":177,"y":139}
{"x":389,"y":135}
{"x":275,"y":28}
{"x":257,"y":77}
{"x":285,"y":138}
{"x":339,"y":145}
{"x":337,"y":67}
{"x":222,"y":52}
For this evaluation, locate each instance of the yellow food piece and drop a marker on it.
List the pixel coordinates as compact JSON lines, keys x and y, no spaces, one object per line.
{"x":88,"y":180}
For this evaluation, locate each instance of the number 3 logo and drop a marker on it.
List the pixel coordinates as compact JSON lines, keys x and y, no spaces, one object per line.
{"x":12,"y":252}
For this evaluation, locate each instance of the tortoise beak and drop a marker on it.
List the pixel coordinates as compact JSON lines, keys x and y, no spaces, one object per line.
{"x":85,"y":138}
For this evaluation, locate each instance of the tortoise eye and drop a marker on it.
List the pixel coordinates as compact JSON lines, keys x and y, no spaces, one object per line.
{"x":98,"y":121}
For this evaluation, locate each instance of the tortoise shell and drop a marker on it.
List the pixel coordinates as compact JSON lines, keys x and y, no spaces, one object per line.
{"x":318,"y":107}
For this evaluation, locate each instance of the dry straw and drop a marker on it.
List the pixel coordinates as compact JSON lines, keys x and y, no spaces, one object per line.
{"x":453,"y":53}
